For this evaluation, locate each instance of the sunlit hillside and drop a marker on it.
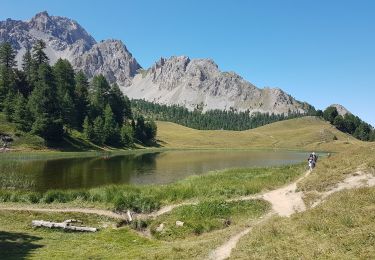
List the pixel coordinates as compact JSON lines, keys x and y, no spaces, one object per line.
{"x":300,"y":133}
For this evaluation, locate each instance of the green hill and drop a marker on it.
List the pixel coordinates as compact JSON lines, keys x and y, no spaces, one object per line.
{"x":300,"y":133}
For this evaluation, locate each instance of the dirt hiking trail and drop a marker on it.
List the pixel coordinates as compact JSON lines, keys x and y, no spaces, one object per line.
{"x":286,"y":201}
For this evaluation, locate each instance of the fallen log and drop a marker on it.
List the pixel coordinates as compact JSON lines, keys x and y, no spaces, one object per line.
{"x":64,"y":225}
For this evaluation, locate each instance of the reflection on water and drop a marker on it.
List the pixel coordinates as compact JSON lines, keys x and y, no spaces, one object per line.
{"x":155,"y":167}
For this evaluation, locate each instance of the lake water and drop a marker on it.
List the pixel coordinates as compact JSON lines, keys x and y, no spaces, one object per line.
{"x":143,"y":168}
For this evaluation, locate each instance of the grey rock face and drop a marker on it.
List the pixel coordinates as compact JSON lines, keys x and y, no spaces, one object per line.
{"x":66,"y":39}
{"x":340,"y":109}
{"x":110,"y":58}
{"x":195,"y":84}
{"x":199,"y":84}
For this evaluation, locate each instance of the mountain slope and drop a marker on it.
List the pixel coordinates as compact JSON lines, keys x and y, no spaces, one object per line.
{"x":199,"y":84}
{"x":66,"y":39}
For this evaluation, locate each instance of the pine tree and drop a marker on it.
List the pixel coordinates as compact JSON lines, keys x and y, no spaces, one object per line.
{"x":7,"y":64}
{"x":81,"y":97}
{"x":22,"y":116}
{"x":133,"y":125}
{"x":7,"y":55}
{"x":64,"y":76}
{"x":21,"y":83}
{"x":65,"y":83}
{"x":351,"y":123}
{"x":44,"y":105}
{"x":111,"y":129}
{"x":9,"y":106}
{"x":120,"y":104}
{"x":340,"y":123}
{"x":139,"y":129}
{"x":127,"y":135}
{"x":87,"y":129}
{"x":363,"y":132}
{"x":150,"y":131}
{"x":39,"y":56}
{"x":27,"y":65}
{"x":319,"y":113}
{"x":98,"y":135}
{"x":99,"y":95}
{"x":330,"y":114}
{"x":68,"y":112}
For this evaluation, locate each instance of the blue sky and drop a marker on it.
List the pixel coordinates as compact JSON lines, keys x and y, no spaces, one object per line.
{"x":322,"y":52}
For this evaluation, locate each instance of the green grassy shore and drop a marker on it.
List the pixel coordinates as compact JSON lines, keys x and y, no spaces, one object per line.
{"x":339,"y":228}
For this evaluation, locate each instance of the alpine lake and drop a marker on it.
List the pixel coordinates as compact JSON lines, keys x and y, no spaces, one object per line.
{"x":153,"y":167}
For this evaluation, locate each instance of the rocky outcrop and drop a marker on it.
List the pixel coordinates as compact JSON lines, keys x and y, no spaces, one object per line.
{"x":340,"y":109}
{"x":199,"y":84}
{"x":110,"y":58}
{"x":66,"y":39}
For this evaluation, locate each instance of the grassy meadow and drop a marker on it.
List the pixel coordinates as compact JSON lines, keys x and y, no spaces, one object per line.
{"x":222,"y":185}
{"x":306,"y":133}
{"x":19,"y":240}
{"x":339,"y":228}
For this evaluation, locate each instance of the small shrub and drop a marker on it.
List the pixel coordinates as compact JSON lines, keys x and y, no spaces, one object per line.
{"x":139,"y":224}
{"x":198,"y":229}
{"x":4,"y":196}
{"x":31,"y":197}
{"x":80,"y":195}
{"x":136,"y":202}
{"x":55,"y":196}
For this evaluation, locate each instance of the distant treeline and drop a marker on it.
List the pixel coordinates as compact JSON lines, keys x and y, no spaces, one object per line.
{"x":51,"y":101}
{"x":210,"y":120}
{"x":348,"y":123}
{"x":232,"y":120}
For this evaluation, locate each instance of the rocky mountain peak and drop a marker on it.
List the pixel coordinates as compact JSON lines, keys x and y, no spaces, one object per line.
{"x":199,"y":83}
{"x":110,"y":58}
{"x":340,"y":109}
{"x":60,"y":27}
{"x":41,"y":21}
{"x":66,"y":39}
{"x":192,"y":83}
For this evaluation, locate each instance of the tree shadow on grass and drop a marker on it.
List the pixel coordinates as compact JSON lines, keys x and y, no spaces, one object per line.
{"x":17,"y":245}
{"x":70,"y":144}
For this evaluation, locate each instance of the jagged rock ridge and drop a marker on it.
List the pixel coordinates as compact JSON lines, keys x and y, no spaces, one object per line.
{"x":199,"y":84}
{"x":195,"y":84}
{"x":66,"y":39}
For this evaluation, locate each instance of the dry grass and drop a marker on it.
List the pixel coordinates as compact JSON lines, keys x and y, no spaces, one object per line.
{"x":341,"y":228}
{"x":18,"y":240}
{"x":337,"y":167}
{"x":307,"y":133}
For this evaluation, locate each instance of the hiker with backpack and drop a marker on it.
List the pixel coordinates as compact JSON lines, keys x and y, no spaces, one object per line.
{"x":313,"y":158}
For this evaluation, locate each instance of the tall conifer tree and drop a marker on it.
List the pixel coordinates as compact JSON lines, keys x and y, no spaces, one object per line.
{"x":44,"y":105}
{"x":81,"y":97}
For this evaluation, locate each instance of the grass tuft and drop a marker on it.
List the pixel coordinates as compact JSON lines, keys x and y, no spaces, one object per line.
{"x":205,"y":217}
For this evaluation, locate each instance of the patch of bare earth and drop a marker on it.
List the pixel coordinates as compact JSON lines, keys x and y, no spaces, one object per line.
{"x":286,"y":201}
